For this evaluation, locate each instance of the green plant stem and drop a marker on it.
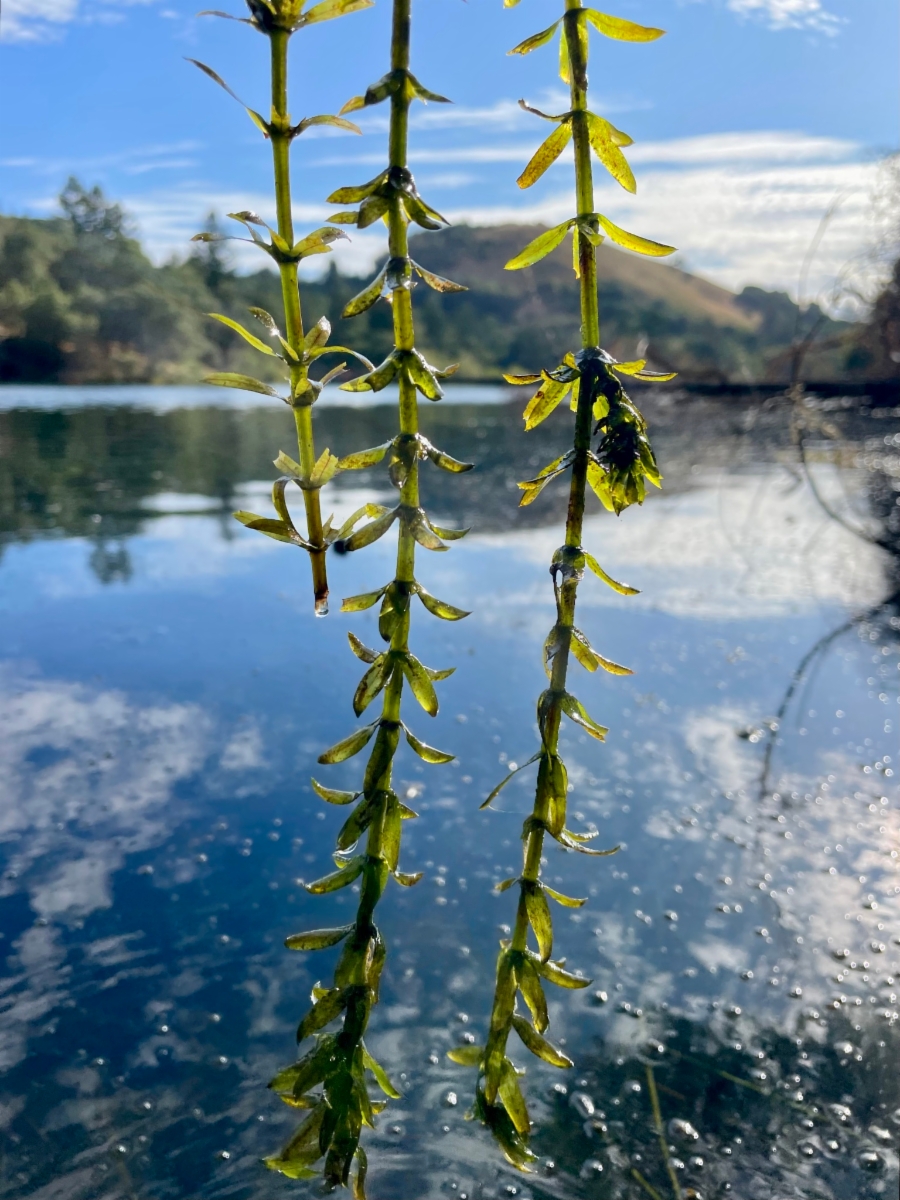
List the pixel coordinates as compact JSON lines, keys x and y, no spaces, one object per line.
{"x":661,"y":1132}
{"x":590,"y":336}
{"x":290,"y":291}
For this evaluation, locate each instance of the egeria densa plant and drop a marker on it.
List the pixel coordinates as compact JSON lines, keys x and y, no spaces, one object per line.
{"x":616,"y":466}
{"x":279,"y":20}
{"x":330,"y":1079}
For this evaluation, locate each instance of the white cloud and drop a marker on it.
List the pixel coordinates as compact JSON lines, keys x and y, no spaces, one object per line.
{"x":789,"y":14}
{"x":42,"y":20}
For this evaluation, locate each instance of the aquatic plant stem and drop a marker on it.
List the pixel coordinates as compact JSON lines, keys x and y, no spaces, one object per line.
{"x":281,"y":137}
{"x":566,"y":592}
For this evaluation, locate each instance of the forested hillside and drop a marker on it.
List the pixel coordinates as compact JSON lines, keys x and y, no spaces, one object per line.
{"x":80,"y":302}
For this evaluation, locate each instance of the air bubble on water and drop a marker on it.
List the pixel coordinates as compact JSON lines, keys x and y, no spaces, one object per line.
{"x":807,"y":1149}
{"x":870,"y":1160}
{"x":591,"y":1168}
{"x":451,"y":1099}
{"x":601,"y":997}
{"x":225,"y":1154}
{"x":679,"y":1128}
{"x":583,"y":1104}
{"x":795,"y":993}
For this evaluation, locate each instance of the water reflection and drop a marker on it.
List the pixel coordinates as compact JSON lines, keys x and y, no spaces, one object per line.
{"x":156,"y":742}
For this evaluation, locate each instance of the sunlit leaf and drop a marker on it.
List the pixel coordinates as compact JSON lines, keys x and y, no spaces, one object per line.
{"x":605,"y":147}
{"x":362,"y":601}
{"x":565,"y":901}
{"x":539,"y":919}
{"x":622,"y":30}
{"x":545,"y":155}
{"x":381,"y":1077}
{"x":542,"y":245}
{"x":536,"y":40}
{"x":539,"y":1045}
{"x":362,"y":652}
{"x":363,"y":458}
{"x":576,"y":712}
{"x":622,"y":588}
{"x":437,"y":282}
{"x":327,"y":10}
{"x":466,"y":1056}
{"x":554,"y":972}
{"x":533,"y":992}
{"x":631,"y":241}
{"x":544,"y":401}
{"x":513,"y":1100}
{"x":427,"y":753}
{"x":440,"y":608}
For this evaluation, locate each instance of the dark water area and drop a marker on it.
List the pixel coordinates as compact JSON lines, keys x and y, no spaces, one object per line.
{"x":165,"y":691}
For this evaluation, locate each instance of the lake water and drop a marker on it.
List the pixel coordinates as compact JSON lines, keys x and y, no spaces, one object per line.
{"x":165,"y":690}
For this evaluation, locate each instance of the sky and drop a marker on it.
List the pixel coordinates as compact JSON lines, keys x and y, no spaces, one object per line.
{"x":750,"y":118}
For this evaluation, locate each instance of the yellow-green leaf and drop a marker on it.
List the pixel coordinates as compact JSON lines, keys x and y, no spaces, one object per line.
{"x":622,"y":588}
{"x":245,"y":334}
{"x":545,"y":155}
{"x":544,"y":244}
{"x":631,"y":241}
{"x":604,"y":146}
{"x":544,"y":401}
{"x":536,"y":40}
{"x":620,"y":29}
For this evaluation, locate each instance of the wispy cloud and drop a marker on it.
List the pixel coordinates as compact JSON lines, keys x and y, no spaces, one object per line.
{"x":44,"y":20}
{"x":789,"y":14}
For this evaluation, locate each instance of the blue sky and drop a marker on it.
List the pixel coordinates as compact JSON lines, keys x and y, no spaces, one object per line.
{"x":749,"y":118}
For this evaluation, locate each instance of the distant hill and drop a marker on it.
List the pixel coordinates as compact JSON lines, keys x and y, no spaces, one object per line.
{"x":81,"y":302}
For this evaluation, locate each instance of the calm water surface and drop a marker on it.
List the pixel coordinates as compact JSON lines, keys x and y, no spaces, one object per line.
{"x":165,"y":690}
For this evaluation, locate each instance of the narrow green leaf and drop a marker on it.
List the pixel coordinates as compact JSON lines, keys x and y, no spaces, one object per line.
{"x":539,"y":1046}
{"x":631,"y":241}
{"x":533,"y":992}
{"x":542,"y":245}
{"x":513,"y":1100}
{"x":427,"y":753}
{"x":318,"y":939}
{"x":331,"y":795}
{"x":371,"y":532}
{"x":544,"y":401}
{"x":503,"y":782}
{"x":362,"y":601}
{"x":421,"y":685}
{"x":523,"y":380}
{"x":362,"y":652}
{"x":381,"y":1076}
{"x":349,"y":746}
{"x":337,"y":879}
{"x":245,"y":383}
{"x":245,"y":334}
{"x":353,"y":195}
{"x":327,"y":10}
{"x":576,"y":712}
{"x":322,"y":1013}
{"x":440,"y":608}
{"x":565,"y":901}
{"x":545,"y":155}
{"x":363,"y":458}
{"x":506,"y":884}
{"x":605,"y":147}
{"x":622,"y":588}
{"x":437,"y":282}
{"x":466,"y":1056}
{"x":539,"y":919}
{"x":445,"y":461}
{"x":622,"y":30}
{"x":554,"y":972}
{"x":536,"y":40}
{"x":406,"y":880}
{"x":325,"y":119}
